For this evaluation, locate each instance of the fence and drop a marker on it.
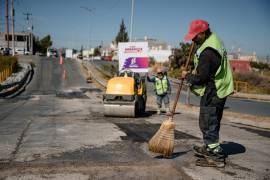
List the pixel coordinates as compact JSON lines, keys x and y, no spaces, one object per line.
{"x":5,"y":73}
{"x":241,"y":86}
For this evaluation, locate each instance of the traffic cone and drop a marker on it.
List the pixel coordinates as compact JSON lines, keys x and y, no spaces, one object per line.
{"x":61,"y":61}
{"x":65,"y":75}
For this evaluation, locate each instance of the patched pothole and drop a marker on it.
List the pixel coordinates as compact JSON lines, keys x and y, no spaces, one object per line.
{"x":71,"y":95}
{"x":84,"y":90}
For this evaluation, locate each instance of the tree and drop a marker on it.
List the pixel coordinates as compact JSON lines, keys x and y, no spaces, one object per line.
{"x":97,"y":51}
{"x":41,"y":45}
{"x":81,"y":50}
{"x":122,"y":35}
{"x":36,"y":45}
{"x":45,"y":43}
{"x":180,"y":56}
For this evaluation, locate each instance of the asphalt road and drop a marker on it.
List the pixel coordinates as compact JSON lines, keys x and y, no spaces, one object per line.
{"x":56,"y":130}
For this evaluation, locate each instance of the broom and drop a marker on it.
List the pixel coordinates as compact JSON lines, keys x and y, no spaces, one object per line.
{"x":163,"y":141}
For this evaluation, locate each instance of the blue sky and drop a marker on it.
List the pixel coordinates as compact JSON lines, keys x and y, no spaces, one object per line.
{"x":241,"y":24}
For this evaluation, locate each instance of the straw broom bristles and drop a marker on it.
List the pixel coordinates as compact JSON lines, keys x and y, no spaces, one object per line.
{"x":163,"y":141}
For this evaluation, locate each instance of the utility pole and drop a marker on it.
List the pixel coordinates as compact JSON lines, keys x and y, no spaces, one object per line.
{"x":131,"y":20}
{"x":7,"y":24}
{"x":28,"y":29}
{"x":32,"y":35}
{"x":89,"y":11}
{"x":0,"y":17}
{"x":12,"y":28}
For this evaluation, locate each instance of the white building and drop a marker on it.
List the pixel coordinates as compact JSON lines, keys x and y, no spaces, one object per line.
{"x":22,"y":41}
{"x":159,"y":50}
{"x":87,"y":53}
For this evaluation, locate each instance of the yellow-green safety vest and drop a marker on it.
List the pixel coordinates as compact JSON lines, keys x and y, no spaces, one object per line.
{"x":223,"y":77}
{"x":161,"y":85}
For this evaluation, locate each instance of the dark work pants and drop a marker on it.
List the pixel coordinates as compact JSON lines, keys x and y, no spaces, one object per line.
{"x":211,"y":110}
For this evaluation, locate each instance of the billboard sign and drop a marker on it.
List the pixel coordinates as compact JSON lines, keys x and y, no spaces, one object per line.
{"x":133,"y":56}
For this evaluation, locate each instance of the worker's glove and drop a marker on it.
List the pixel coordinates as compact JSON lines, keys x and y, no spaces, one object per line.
{"x":186,"y":83}
{"x":184,"y":74}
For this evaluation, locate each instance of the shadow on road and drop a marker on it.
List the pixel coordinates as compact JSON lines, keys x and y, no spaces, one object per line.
{"x":147,"y":113}
{"x":174,"y":155}
{"x":143,"y":132}
{"x":231,"y":148}
{"x":151,"y":113}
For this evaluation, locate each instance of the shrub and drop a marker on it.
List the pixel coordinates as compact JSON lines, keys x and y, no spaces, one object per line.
{"x":175,"y":73}
{"x":9,"y":62}
{"x":151,"y":61}
{"x":260,"y":65}
{"x":257,"y":83}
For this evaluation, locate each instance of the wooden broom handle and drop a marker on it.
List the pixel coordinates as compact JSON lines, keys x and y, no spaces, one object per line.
{"x":182,"y":80}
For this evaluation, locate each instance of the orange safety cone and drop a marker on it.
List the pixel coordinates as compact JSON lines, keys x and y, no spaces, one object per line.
{"x":61,"y":61}
{"x":65,"y":75}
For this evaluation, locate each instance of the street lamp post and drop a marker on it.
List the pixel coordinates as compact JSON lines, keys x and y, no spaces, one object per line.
{"x":131,"y":20}
{"x":89,"y":11}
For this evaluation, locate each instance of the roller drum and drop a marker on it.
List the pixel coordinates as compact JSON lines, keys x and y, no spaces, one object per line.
{"x":119,"y":110}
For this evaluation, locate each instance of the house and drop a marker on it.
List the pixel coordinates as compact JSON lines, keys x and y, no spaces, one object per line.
{"x":240,"y":66}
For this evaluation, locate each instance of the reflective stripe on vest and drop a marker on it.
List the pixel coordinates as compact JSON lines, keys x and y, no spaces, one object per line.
{"x":223,"y":76}
{"x":161,"y":85}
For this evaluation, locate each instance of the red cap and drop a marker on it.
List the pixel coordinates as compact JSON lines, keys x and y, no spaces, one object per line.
{"x":196,"y":27}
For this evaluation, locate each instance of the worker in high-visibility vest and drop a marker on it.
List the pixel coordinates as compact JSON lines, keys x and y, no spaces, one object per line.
{"x":212,"y":80}
{"x":162,"y":89}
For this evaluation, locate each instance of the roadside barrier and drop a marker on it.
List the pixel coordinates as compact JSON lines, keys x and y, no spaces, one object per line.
{"x":93,"y":77}
{"x":240,"y":86}
{"x":17,"y":83}
{"x":5,"y":73}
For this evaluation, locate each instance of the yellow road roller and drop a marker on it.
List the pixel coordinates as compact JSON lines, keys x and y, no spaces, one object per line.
{"x":125,"y":95}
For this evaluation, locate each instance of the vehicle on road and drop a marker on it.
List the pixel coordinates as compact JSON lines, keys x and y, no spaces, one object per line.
{"x":52,"y":52}
{"x":125,"y":95}
{"x":107,"y":58}
{"x":21,"y":51}
{"x":69,"y":53}
{"x":6,"y":51}
{"x":97,"y":58}
{"x":79,"y":56}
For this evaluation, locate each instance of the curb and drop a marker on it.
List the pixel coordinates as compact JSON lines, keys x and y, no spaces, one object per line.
{"x":101,"y":82}
{"x":16,"y":83}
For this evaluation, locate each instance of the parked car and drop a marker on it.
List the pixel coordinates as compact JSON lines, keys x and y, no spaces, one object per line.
{"x":39,"y":53}
{"x":6,"y":51}
{"x":51,"y":52}
{"x":26,"y":52}
{"x":19,"y":51}
{"x":80,"y":56}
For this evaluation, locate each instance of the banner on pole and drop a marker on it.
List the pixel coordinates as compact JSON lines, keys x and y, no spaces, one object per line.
{"x":133,"y":56}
